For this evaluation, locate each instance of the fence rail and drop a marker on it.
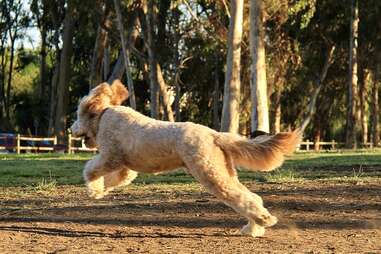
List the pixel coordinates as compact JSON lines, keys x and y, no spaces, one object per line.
{"x":71,"y":148}
{"x":36,"y":144}
{"x":20,"y":143}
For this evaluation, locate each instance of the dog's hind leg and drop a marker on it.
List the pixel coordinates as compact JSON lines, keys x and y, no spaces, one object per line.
{"x":212,"y":172}
{"x":118,"y":178}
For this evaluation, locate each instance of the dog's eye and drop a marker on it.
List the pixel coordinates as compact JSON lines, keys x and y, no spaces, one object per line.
{"x":92,"y":115}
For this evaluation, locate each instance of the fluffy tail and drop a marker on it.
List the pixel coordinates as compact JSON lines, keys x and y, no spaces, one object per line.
{"x":263,"y":153}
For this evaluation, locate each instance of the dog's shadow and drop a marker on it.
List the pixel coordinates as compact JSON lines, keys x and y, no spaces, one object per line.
{"x":116,"y":235}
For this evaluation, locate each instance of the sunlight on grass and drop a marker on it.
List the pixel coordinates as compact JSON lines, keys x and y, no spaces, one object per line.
{"x":46,"y":171}
{"x":283,"y":175}
{"x":46,"y":186}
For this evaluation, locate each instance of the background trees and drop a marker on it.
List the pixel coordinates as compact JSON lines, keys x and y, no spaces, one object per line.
{"x":175,"y":56}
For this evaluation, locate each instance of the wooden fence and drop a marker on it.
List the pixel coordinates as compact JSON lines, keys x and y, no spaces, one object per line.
{"x":42,"y":144}
{"x":72,"y":145}
{"x":326,"y":145}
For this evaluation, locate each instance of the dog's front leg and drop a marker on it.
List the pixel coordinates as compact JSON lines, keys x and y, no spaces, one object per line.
{"x":93,"y":175}
{"x":117,"y":178}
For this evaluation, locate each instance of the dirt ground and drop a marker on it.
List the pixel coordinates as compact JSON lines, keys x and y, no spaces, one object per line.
{"x":314,"y":217}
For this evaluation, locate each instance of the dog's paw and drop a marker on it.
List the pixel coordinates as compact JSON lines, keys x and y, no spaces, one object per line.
{"x":96,"y":194}
{"x":96,"y":188}
{"x":253,"y":230}
{"x":267,"y":220}
{"x":108,"y":190}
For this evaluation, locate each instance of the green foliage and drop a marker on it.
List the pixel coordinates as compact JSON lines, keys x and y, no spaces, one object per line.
{"x":298,"y":33}
{"x":303,"y":8}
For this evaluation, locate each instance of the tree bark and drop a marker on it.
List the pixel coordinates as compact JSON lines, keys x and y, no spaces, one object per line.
{"x":132,"y":34}
{"x":364,"y":78}
{"x":260,"y":109}
{"x":55,"y":78}
{"x":126,"y":55}
{"x":10,"y":76}
{"x":230,"y":109}
{"x":157,"y":82}
{"x":216,"y":97}
{"x":277,"y":111}
{"x":164,"y":94}
{"x":375,"y":109}
{"x":64,"y":73}
{"x":101,"y":43}
{"x":351,"y":139}
{"x":106,"y":62}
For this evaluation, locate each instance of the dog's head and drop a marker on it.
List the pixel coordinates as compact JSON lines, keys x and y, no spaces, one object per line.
{"x":93,"y":105}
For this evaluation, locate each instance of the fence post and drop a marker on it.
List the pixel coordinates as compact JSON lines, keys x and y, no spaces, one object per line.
{"x":69,"y":143}
{"x":308,"y":145}
{"x":18,"y":144}
{"x":333,"y":144}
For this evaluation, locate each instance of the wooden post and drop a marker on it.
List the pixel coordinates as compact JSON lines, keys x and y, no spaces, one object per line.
{"x":308,"y":145}
{"x":317,"y":145}
{"x":18,"y":144}
{"x":333,"y":144}
{"x":69,"y":143}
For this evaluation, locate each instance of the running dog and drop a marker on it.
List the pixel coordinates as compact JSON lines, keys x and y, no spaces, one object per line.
{"x":129,"y":142}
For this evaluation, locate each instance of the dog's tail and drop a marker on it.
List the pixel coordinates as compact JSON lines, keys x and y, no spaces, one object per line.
{"x":263,"y":153}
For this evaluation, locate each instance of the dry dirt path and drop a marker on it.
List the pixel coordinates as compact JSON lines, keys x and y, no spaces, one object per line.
{"x":314,"y":217}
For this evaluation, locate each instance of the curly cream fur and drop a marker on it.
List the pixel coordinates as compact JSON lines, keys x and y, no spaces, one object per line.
{"x":129,"y":142}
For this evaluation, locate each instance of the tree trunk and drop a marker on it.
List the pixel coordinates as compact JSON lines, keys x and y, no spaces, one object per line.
{"x":230,"y":109}
{"x":53,"y":96}
{"x":2,"y":82}
{"x":364,"y":78}
{"x":164,"y":94}
{"x":317,"y":134}
{"x":157,"y":82}
{"x":126,"y":55}
{"x":132,"y":34}
{"x":277,"y":113}
{"x":106,"y":62}
{"x":55,"y":78}
{"x":216,"y":97}
{"x":42,"y":85}
{"x":351,"y":140}
{"x":10,"y":76}
{"x":64,"y":73}
{"x":319,"y":85}
{"x":101,"y":43}
{"x":375,"y":109}
{"x":260,"y":110}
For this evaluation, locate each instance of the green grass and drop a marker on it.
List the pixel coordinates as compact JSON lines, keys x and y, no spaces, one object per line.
{"x":45,"y":171}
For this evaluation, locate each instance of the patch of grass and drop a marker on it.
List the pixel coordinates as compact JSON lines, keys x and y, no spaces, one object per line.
{"x":45,"y":171}
{"x":46,"y":186}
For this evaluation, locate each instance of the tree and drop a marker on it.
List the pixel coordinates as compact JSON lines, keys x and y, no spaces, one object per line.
{"x":319,"y":83}
{"x":101,"y":44}
{"x":260,"y":111}
{"x":230,"y":109}
{"x":352,"y":122}
{"x":126,"y":55}
{"x":64,"y":71}
{"x":157,"y":82}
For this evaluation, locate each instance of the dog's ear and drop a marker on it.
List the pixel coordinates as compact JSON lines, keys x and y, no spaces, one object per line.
{"x":119,"y":92}
{"x":98,"y":99}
